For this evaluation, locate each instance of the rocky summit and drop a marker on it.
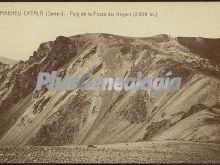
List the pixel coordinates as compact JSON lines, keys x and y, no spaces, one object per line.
{"x":58,"y":118}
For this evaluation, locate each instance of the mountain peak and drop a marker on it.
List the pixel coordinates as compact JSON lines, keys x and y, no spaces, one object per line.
{"x":80,"y":117}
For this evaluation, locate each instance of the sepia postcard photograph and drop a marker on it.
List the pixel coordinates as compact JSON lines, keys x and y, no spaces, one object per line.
{"x":110,"y":82}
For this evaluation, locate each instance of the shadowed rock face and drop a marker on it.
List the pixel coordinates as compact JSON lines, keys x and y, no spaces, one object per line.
{"x":206,"y":48}
{"x":76,"y":117}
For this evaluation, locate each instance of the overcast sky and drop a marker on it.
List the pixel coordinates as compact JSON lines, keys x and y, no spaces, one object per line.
{"x":20,"y":36}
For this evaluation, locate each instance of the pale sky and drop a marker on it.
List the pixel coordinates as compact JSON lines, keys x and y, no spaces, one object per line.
{"x":21,"y":35}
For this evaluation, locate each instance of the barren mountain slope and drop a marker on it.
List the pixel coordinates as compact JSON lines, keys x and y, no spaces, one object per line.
{"x":5,"y":60}
{"x":101,"y":117}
